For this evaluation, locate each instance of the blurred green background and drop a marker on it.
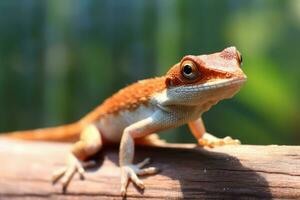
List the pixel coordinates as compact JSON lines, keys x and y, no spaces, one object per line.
{"x":61,"y":58}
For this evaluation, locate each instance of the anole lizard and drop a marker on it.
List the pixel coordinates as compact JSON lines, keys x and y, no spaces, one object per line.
{"x":149,"y":106}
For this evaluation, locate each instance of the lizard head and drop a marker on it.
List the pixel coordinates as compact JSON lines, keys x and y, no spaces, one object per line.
{"x":206,"y":79}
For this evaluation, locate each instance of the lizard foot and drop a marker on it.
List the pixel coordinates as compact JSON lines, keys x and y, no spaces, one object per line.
{"x":212,"y":141}
{"x":130,"y":172}
{"x":66,"y":173}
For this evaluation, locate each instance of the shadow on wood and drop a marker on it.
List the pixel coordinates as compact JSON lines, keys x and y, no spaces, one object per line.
{"x":186,"y":172}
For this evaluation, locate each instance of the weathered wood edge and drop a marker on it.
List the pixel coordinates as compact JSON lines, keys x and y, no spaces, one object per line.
{"x":187,"y":171}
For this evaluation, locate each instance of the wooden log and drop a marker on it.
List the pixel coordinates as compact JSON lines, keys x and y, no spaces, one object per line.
{"x":190,"y":172}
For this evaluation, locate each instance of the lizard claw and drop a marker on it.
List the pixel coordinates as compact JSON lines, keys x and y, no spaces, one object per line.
{"x":131,"y":172}
{"x":66,"y":173}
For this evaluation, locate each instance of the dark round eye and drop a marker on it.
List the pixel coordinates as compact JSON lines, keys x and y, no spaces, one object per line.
{"x":189,"y":70}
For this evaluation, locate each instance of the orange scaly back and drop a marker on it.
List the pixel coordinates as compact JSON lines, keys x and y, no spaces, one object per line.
{"x":128,"y":98}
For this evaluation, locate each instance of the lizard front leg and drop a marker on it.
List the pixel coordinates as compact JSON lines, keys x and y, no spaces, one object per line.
{"x":89,"y":144}
{"x":206,"y":139}
{"x":131,"y":171}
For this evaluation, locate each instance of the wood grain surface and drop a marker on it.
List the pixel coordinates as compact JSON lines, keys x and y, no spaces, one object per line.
{"x":187,"y":172}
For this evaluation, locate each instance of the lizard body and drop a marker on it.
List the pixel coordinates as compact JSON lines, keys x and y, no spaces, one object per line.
{"x":149,"y":106}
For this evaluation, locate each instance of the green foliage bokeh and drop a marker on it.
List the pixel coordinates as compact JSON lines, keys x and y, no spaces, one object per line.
{"x":60,"y":59}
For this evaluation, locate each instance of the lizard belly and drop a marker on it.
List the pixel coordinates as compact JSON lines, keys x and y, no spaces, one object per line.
{"x":112,"y":125}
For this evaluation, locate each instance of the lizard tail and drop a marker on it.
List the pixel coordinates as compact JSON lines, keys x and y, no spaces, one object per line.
{"x":65,"y":133}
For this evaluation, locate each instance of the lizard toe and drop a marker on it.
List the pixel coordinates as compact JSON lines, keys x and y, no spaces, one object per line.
{"x":65,"y":174}
{"x":131,"y":172}
{"x":148,"y":171}
{"x":215,"y":142}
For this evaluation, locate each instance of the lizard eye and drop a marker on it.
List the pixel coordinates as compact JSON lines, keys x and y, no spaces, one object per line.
{"x":189,"y":70}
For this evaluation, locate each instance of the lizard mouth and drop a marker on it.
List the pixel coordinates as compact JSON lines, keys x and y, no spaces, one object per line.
{"x":228,"y":83}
